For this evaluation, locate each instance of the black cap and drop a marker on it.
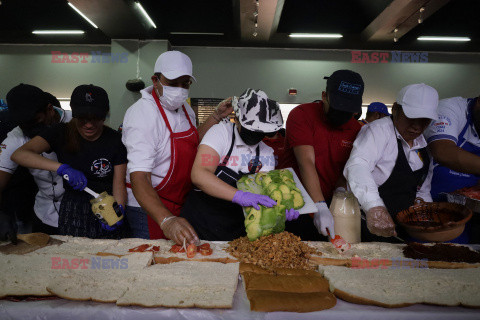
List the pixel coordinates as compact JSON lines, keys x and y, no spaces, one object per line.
{"x":53,"y":100}
{"x":345,"y":91}
{"x":24,"y":101}
{"x":89,"y":100}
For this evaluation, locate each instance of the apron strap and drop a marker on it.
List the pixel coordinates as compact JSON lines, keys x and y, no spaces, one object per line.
{"x":227,"y":157}
{"x":256,"y":160}
{"x":159,"y":105}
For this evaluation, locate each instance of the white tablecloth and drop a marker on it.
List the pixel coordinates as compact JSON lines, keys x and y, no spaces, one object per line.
{"x":65,"y":309}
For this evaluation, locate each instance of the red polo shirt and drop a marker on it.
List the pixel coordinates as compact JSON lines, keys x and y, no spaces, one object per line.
{"x":278,"y":146}
{"x":307,"y":125}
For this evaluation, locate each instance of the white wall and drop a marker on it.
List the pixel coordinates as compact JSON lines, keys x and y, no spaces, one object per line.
{"x":222,"y":72}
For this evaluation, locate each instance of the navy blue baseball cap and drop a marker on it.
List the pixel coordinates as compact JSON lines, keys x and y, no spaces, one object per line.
{"x":345,"y":91}
{"x":24,"y":101}
{"x":89,"y":100}
{"x":378,"y":107}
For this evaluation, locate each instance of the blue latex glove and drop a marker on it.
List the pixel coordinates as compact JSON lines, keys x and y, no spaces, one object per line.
{"x":247,"y":199}
{"x":291,"y":214}
{"x":106,"y":227}
{"x":76,"y":179}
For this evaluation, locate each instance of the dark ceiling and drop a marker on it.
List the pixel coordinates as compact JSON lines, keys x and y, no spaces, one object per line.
{"x":364,"y":24}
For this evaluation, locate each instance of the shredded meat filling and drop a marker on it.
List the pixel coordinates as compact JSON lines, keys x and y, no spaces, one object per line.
{"x":282,"y":250}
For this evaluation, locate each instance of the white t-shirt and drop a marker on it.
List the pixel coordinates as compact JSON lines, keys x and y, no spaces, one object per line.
{"x":50,"y":185}
{"x":373,"y":158}
{"x":147,"y":138}
{"x":219,"y":138}
{"x":453,"y":115}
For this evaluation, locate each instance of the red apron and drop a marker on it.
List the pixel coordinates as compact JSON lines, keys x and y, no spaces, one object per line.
{"x":177,"y":182}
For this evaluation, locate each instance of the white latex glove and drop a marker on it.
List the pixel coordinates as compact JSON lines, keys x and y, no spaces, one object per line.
{"x":323,"y":220}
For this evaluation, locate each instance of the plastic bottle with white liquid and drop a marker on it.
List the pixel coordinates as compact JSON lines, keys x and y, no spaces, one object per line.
{"x":346,"y":215}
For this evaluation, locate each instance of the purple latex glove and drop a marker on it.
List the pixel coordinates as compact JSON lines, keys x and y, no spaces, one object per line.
{"x":247,"y":199}
{"x":76,"y":179}
{"x":291,"y":214}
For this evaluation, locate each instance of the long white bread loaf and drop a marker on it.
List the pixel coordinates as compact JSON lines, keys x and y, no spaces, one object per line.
{"x":401,"y":287}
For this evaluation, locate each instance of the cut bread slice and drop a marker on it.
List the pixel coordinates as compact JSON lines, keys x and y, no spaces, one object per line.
{"x":374,"y":251}
{"x":106,"y":280}
{"x":402,"y":287}
{"x":100,"y":285}
{"x":367,"y":250}
{"x":218,"y":254}
{"x":183,"y":284}
{"x":28,"y":274}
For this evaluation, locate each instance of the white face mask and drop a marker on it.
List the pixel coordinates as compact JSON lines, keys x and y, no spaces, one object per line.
{"x":173,"y":97}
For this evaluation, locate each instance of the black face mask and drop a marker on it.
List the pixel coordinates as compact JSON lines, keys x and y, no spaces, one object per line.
{"x":336,"y":117}
{"x":251,"y":137}
{"x":34,"y":130}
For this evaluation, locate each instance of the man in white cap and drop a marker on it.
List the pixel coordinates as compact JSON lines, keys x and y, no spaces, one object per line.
{"x":389,"y":165}
{"x":161,"y":139}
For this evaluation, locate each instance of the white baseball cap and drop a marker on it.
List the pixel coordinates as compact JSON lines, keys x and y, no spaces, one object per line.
{"x":419,"y":101}
{"x":174,"y":64}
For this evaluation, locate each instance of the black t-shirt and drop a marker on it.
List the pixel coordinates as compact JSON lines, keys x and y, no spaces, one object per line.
{"x":95,"y":159}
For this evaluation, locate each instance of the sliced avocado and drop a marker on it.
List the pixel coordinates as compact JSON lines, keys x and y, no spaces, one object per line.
{"x":287,"y":196}
{"x":268,"y":218}
{"x":253,"y":216}
{"x":298,"y":201}
{"x":259,"y":177}
{"x":284,"y":189}
{"x":288,"y":203}
{"x":253,"y":231}
{"x":266,"y":181}
{"x":291,"y":185}
{"x":270,"y":188}
{"x":286,"y":173}
{"x":242,"y":179}
{"x":277,"y":196}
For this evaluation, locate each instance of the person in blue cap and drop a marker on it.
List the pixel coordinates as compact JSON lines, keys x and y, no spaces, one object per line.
{"x":375,"y":111}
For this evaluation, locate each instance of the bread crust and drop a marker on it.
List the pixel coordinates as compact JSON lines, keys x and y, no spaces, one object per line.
{"x":359,"y":300}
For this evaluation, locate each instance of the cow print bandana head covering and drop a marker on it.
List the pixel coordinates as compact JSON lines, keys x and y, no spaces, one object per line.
{"x":256,"y":112}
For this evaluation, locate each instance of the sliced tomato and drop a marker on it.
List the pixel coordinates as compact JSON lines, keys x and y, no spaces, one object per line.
{"x":206,"y":251}
{"x":175,"y":248}
{"x":205,"y":245}
{"x":140,"y":248}
{"x":191,"y":250}
{"x":156,"y":248}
